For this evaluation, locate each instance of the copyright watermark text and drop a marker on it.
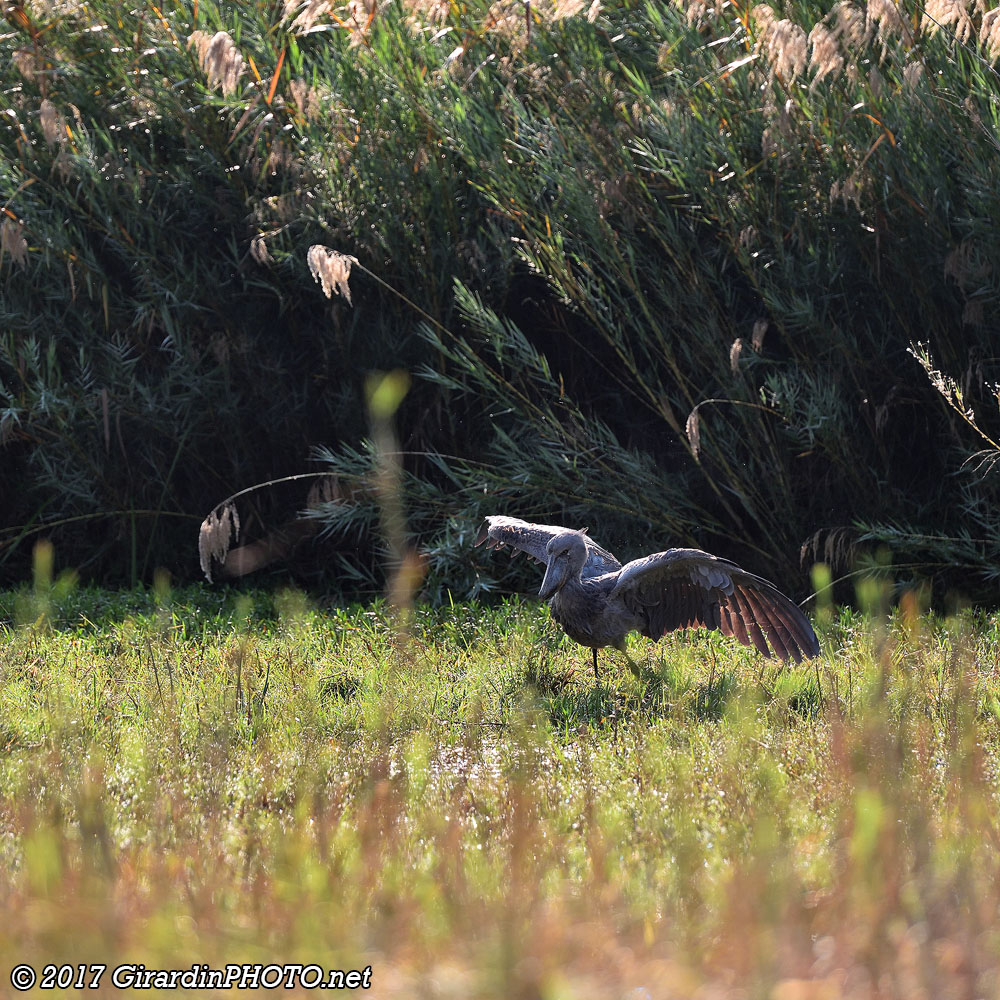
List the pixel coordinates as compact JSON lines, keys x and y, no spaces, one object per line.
{"x":196,"y":977}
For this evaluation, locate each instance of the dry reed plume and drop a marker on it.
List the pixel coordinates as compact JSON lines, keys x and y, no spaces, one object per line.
{"x":12,"y":242}
{"x":949,"y":14}
{"x":850,"y":25}
{"x":302,"y":15}
{"x":913,"y":73}
{"x":56,"y":132}
{"x":259,"y":251}
{"x":356,"y":17}
{"x":757,"y":337}
{"x":734,"y":355}
{"x":331,"y":269}
{"x":218,"y":530}
{"x":788,"y":49}
{"x":889,"y":19}
{"x":989,"y":34}
{"x":53,"y":124}
{"x":692,"y":429}
{"x":573,"y":8}
{"x":825,"y":58}
{"x":956,"y":395}
{"x":306,"y":98}
{"x":219,"y":59}
{"x":29,"y":65}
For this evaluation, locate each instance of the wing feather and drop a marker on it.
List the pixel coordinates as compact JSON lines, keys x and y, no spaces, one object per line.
{"x":797,"y":625}
{"x":677,"y":601}
{"x":525,"y":536}
{"x":773,"y":629}
{"x":796,"y":641}
{"x":694,"y":602}
{"x":789,"y":623}
{"x":714,"y":618}
{"x":687,"y":614}
{"x":725,"y":620}
{"x":739,"y":625}
{"x":694,"y":589}
{"x":658,"y":615}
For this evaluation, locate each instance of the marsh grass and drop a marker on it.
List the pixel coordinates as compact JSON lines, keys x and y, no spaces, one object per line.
{"x":617,"y":220}
{"x":219,"y":777}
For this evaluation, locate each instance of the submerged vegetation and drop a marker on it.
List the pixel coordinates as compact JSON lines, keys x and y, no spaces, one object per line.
{"x":202,"y":777}
{"x":722,"y":275}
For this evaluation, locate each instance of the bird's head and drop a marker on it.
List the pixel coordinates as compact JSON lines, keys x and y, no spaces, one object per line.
{"x":565,"y":557}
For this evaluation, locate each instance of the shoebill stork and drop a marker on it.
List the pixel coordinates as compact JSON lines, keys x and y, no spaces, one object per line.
{"x":598,"y":601}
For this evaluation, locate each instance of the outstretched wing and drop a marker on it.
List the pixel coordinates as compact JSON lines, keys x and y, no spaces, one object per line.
{"x":498,"y":531}
{"x":688,"y":588}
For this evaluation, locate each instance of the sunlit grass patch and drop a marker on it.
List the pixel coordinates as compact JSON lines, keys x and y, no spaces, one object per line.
{"x":461,"y":804}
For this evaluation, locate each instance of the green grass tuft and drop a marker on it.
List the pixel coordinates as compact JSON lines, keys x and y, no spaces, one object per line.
{"x":211,"y":777}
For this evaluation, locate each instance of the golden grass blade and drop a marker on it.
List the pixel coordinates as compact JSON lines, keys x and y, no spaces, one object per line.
{"x":277,"y":74}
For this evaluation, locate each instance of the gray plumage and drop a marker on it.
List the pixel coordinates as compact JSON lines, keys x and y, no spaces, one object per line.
{"x":597,"y":601}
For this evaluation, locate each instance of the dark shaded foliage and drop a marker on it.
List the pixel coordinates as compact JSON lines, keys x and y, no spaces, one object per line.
{"x":649,"y":216}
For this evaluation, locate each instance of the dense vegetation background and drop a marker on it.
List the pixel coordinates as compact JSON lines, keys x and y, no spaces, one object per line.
{"x":658,"y":269}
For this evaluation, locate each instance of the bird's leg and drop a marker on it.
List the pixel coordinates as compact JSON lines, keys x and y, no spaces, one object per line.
{"x":594,"y":650}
